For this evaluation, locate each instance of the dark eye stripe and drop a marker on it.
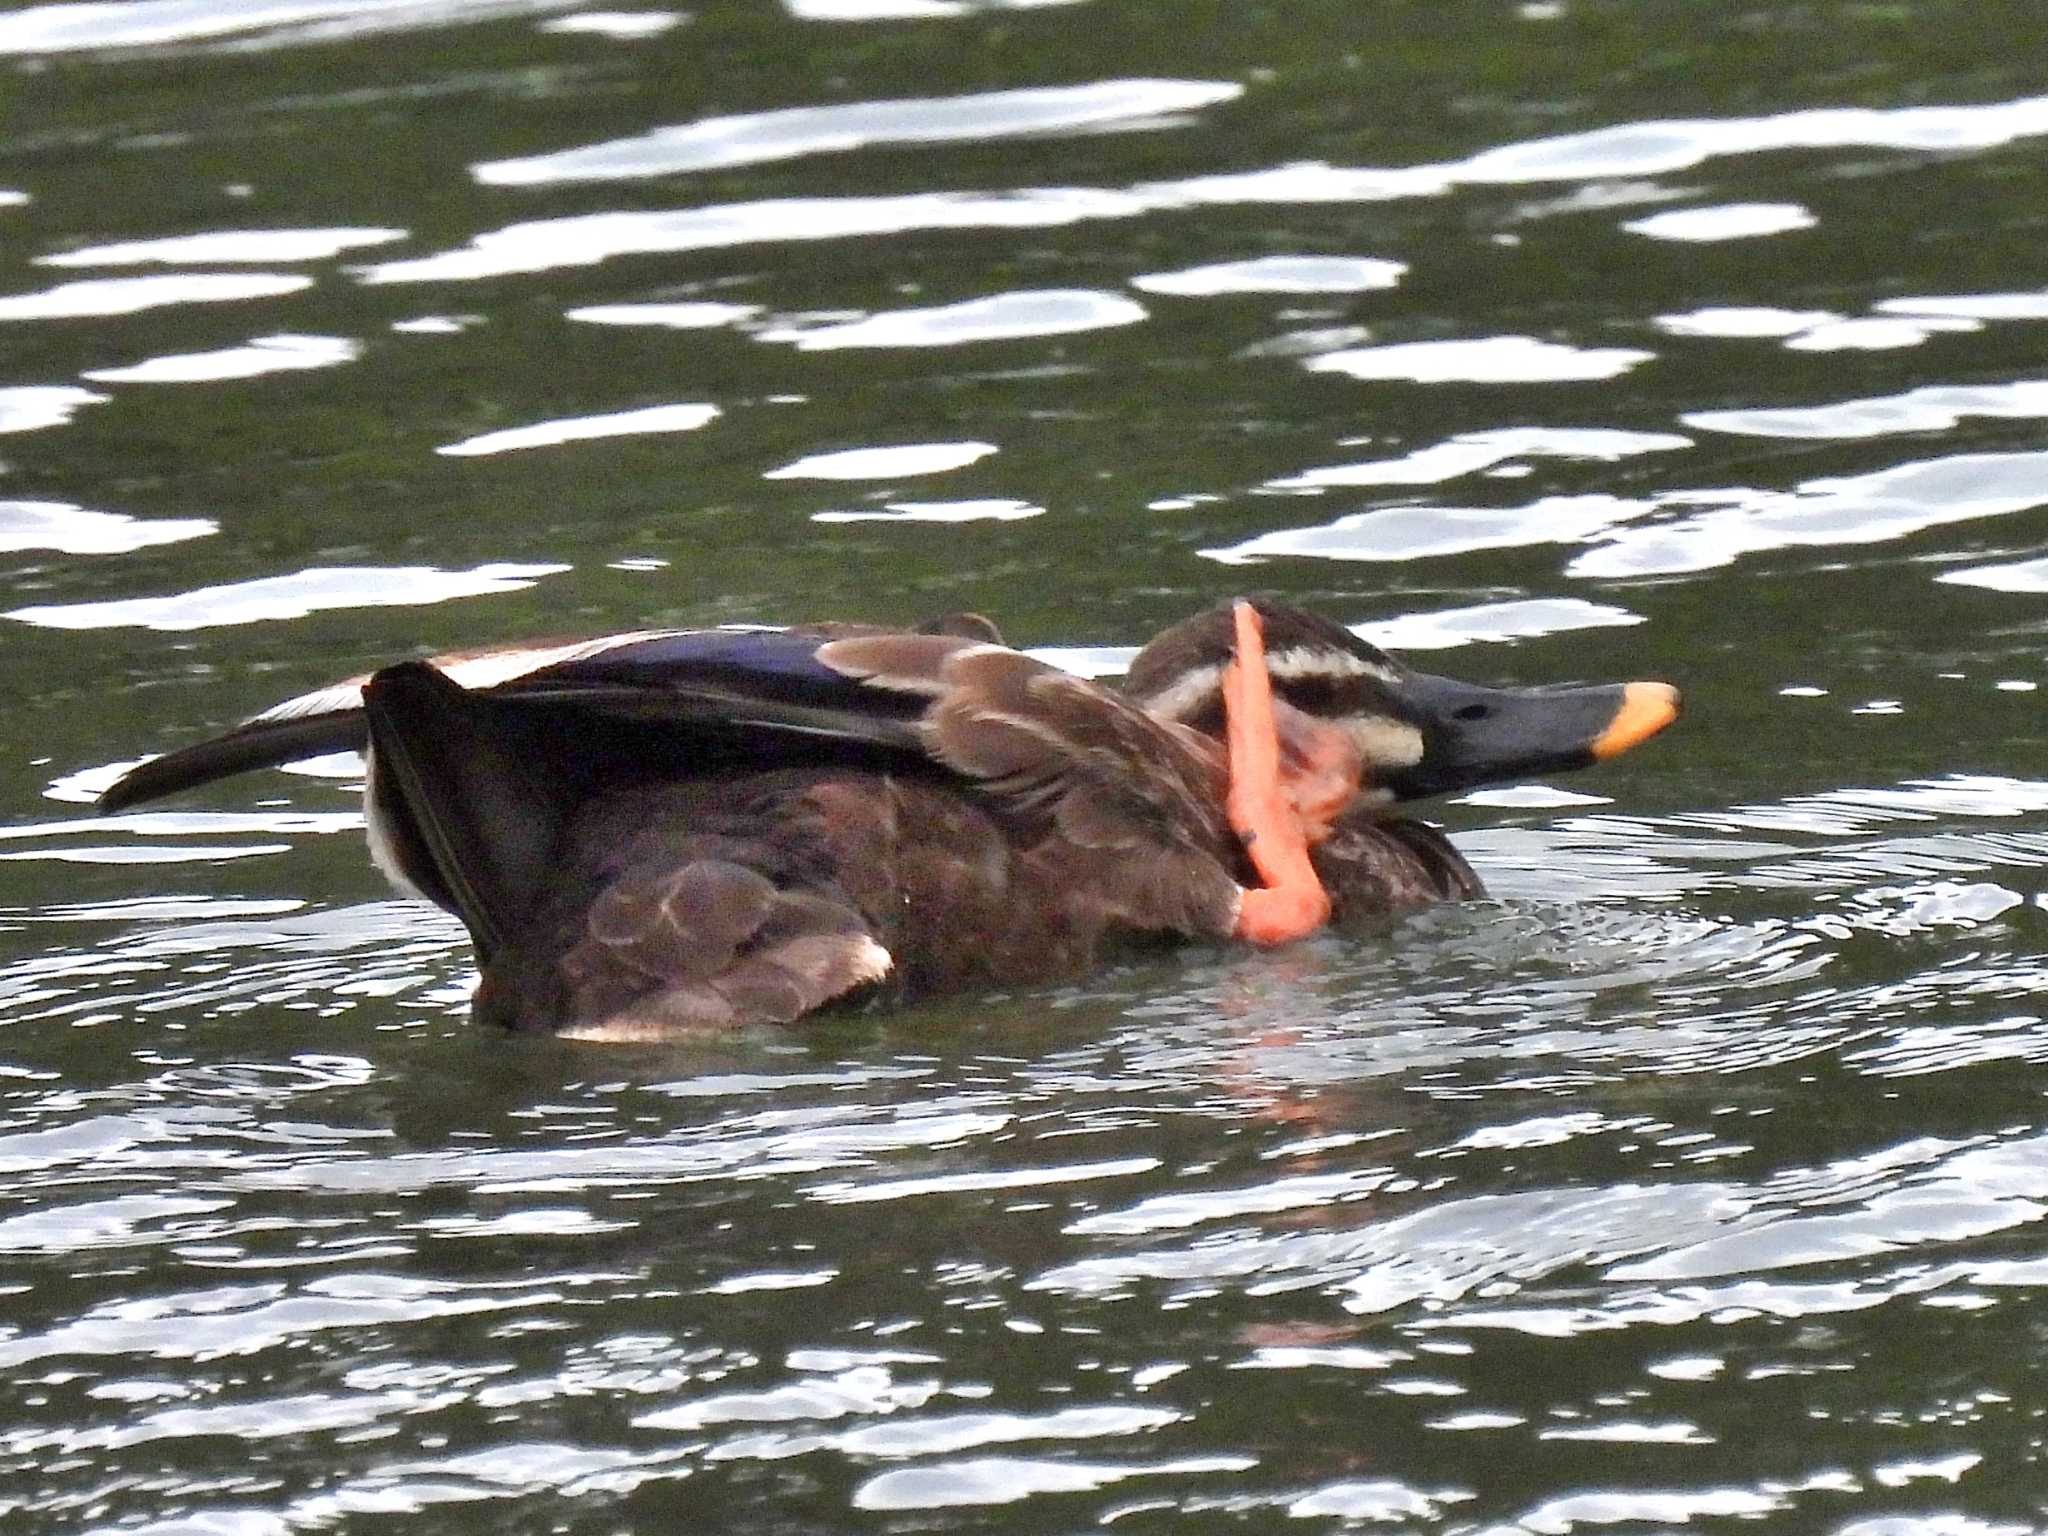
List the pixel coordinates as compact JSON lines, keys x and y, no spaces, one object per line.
{"x":1332,"y":697}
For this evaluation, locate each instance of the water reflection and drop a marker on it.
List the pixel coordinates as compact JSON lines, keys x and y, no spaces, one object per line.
{"x":34,"y":407}
{"x":287,"y":597}
{"x":1927,"y":408}
{"x":1695,"y":1177}
{"x":1639,"y":537}
{"x":622,"y":25}
{"x":69,"y":26}
{"x":59,"y":526}
{"x":265,"y":354}
{"x":575,"y":429}
{"x":999,"y":317}
{"x":1724,"y":221}
{"x":1472,"y":452}
{"x":895,"y":461}
{"x":254,"y":247}
{"x":108,"y":296}
{"x":1482,"y":360}
{"x":1276,"y":274}
{"x":717,"y":143}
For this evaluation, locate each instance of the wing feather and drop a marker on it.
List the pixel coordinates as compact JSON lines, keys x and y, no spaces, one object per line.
{"x":733,"y":678}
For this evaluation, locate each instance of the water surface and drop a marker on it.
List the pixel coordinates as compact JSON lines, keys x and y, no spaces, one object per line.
{"x":1694,"y":1181}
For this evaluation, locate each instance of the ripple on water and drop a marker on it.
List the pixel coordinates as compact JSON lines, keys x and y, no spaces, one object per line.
{"x":258,"y":247}
{"x":1641,"y":536}
{"x":1695,"y":1177}
{"x":1927,"y":408}
{"x":720,"y":143}
{"x":883,"y":463}
{"x":1724,"y":221}
{"x":37,"y":407}
{"x":1471,"y":452}
{"x":70,"y":27}
{"x":1276,"y":274}
{"x":683,"y":417}
{"x":995,"y":317}
{"x":111,"y":296}
{"x":263,"y":355}
{"x":294,"y":596}
{"x":1482,"y":360}
{"x":74,"y":530}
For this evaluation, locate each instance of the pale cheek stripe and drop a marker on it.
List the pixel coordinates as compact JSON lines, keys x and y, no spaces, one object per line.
{"x":1188,"y":695}
{"x":1304,"y":662}
{"x":1385,"y":743}
{"x":1198,"y":689}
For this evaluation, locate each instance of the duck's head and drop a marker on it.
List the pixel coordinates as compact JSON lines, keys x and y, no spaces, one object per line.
{"x":1416,"y":735}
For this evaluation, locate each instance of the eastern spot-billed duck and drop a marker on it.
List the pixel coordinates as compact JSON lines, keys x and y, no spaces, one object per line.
{"x":668,"y":831}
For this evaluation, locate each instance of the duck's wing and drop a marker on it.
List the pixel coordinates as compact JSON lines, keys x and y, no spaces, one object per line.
{"x":461,"y":805}
{"x":733,"y":677}
{"x":332,"y":719}
{"x":1058,"y":754}
{"x":1131,"y":805}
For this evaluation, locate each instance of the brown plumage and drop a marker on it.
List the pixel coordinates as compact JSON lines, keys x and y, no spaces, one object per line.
{"x":678,"y":831}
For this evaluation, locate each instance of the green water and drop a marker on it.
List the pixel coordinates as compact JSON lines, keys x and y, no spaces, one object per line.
{"x":1693,"y":1182}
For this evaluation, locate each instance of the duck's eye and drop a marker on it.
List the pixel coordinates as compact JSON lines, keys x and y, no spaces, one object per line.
{"x":1471,"y":712}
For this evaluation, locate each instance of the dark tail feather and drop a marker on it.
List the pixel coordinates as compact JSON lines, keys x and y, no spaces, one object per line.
{"x":260,"y":744}
{"x":473,"y":790}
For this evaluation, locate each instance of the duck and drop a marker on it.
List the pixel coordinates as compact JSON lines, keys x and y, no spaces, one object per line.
{"x":667,"y":832}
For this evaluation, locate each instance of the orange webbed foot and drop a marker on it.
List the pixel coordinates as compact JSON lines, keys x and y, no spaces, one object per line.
{"x":1293,"y":903}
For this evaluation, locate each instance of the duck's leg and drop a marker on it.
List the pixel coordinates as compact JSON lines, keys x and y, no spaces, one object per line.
{"x":1292,"y":904}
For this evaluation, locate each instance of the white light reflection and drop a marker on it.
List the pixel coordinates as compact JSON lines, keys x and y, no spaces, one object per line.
{"x":1482,"y":360}
{"x":720,"y":143}
{"x":265,"y":354}
{"x":1473,"y":451}
{"x":1930,"y":408}
{"x":227,"y":247}
{"x":2021,"y":576}
{"x":1276,"y":274}
{"x":1859,"y":509}
{"x":1488,"y":623}
{"x":907,"y":10}
{"x":575,"y":429}
{"x":73,"y":26}
{"x":700,"y":315}
{"x":33,"y":407}
{"x":1752,"y":321}
{"x":1726,"y":221}
{"x":883,"y":463}
{"x":626,"y":26}
{"x":987,"y":509}
{"x":1626,"y":150}
{"x":999,"y":317}
{"x":73,"y":530}
{"x":107,"y":296}
{"x":289,"y":597}
{"x":1638,"y":537}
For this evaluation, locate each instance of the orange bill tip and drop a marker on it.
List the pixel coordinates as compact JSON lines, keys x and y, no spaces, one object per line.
{"x":1646,"y":708}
